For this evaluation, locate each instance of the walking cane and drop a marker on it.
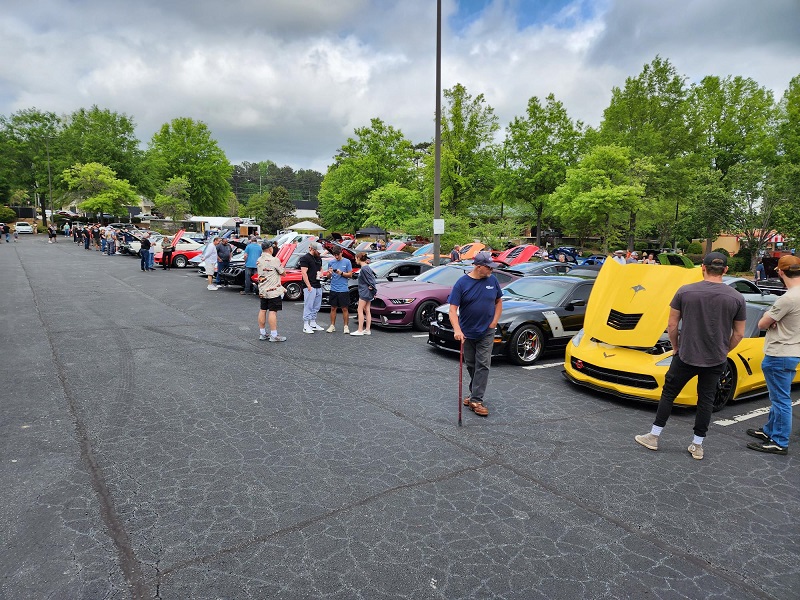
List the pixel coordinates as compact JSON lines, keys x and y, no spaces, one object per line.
{"x":460,"y":371}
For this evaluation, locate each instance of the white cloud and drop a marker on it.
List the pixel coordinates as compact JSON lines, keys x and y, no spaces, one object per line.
{"x":289,"y":80}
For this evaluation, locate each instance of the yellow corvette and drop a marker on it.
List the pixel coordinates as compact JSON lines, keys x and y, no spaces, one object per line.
{"x":623,"y":348}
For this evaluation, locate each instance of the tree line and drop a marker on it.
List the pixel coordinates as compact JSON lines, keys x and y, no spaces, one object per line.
{"x":91,"y":158}
{"x":669,"y":162}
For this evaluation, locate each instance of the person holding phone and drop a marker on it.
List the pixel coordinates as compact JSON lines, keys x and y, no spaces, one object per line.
{"x":341,"y":271}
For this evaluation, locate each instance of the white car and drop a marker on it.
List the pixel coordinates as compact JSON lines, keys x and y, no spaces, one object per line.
{"x":23,"y":227}
{"x":749,"y":290}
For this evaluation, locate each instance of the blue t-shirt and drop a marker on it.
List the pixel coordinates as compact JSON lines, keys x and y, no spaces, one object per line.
{"x":339,"y":283}
{"x":253,"y":251}
{"x":475,"y":299}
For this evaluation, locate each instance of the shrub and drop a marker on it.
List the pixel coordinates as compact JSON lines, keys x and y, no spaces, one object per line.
{"x":738,"y":264}
{"x":695,"y":258}
{"x":722,"y":251}
{"x":694,"y":248}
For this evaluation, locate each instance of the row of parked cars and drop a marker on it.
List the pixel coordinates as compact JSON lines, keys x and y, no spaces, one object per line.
{"x":613,"y":339}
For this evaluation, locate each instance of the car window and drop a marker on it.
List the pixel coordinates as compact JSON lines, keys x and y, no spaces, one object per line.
{"x":745,"y":287}
{"x":582,"y":293}
{"x":442,"y":275}
{"x":503,"y":278}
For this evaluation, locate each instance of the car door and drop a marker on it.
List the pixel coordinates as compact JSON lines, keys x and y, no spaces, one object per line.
{"x":572,"y":316}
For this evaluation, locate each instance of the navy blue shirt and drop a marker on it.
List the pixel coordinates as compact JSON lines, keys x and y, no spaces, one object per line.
{"x":475,"y":299}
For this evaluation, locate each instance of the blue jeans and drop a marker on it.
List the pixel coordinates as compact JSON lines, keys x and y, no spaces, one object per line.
{"x":221,"y":266}
{"x":248,"y":281}
{"x":145,"y":256}
{"x":150,"y":258}
{"x":311,"y":302}
{"x":779,"y":372}
{"x":677,"y":377}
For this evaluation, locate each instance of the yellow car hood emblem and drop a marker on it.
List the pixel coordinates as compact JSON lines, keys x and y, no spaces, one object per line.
{"x":629,"y":305}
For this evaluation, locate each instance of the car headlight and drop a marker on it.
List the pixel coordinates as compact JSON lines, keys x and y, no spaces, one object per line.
{"x":440,"y":317}
{"x":401,"y":300}
{"x":665,"y":362}
{"x":576,"y":339}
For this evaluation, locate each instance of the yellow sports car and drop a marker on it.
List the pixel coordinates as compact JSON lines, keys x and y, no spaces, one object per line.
{"x":623,"y":348}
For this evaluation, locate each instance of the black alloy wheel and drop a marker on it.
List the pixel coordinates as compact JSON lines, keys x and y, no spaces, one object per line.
{"x":425,"y":314}
{"x":527,"y":345}
{"x":293,"y":291}
{"x":726,"y":386}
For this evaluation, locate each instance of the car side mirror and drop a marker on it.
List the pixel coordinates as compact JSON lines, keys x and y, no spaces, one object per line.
{"x":392,"y":275}
{"x":575,"y":303}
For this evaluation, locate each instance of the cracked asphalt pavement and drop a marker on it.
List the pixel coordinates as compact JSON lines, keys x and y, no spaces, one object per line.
{"x":152,"y":447}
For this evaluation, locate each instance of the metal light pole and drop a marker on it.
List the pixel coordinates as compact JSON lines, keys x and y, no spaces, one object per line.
{"x":437,"y":169}
{"x":49,"y":182}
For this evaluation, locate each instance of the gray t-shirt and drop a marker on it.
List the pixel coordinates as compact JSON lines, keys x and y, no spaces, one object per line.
{"x":708,"y":310}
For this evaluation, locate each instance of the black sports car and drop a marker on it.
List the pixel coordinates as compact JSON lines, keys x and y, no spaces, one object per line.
{"x":539,"y":313}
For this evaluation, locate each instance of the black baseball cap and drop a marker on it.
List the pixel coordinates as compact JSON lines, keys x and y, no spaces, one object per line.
{"x":717,"y":259}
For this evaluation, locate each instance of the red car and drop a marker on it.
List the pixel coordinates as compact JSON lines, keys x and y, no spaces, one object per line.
{"x":185,"y":249}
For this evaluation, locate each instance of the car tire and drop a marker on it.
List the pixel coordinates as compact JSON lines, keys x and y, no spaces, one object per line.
{"x":180,"y":261}
{"x":527,"y":345}
{"x":293,"y":291}
{"x":424,"y":315}
{"x":726,"y":386}
{"x":354,"y":299}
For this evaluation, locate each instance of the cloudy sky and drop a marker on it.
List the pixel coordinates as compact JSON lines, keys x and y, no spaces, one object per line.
{"x":289,"y":80}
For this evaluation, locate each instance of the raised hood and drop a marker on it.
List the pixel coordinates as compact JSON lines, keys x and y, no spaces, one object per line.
{"x":629,"y":305}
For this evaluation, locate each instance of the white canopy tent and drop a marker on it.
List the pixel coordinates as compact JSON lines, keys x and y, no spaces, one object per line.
{"x":307,"y":226}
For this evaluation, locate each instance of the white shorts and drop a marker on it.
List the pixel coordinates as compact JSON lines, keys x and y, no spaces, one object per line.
{"x":211,"y":267}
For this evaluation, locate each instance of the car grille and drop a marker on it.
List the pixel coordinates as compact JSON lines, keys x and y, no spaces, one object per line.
{"x":637,"y":380}
{"x":378,"y":303}
{"x":622,"y":321}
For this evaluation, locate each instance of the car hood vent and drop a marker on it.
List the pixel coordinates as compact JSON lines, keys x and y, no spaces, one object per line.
{"x":620,"y":321}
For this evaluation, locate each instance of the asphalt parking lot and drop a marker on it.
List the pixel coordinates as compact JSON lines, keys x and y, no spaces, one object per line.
{"x":152,"y":447}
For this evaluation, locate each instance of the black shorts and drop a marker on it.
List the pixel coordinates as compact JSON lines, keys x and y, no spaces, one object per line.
{"x":273,"y":304}
{"x":339,"y":299}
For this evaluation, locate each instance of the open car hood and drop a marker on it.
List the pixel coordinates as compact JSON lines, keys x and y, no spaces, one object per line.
{"x":517,"y":254}
{"x":629,"y":305}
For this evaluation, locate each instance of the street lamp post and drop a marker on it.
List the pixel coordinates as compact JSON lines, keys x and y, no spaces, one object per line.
{"x":437,"y":169}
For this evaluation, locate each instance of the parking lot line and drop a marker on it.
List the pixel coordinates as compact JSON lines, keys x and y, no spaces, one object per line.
{"x":558,"y":364}
{"x":748,"y":415}
{"x":420,"y":335}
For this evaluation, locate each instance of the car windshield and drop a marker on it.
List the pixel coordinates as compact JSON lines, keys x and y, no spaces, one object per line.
{"x":532,"y":266}
{"x":426,"y":249}
{"x":444,"y":275}
{"x":550,"y":291}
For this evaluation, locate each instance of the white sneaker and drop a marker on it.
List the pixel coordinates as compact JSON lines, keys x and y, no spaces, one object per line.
{"x":367,"y":332}
{"x":307,"y":328}
{"x":213,"y":288}
{"x":357,"y":332}
{"x":316,"y":327}
{"x":331,"y":329}
{"x":346,"y":329}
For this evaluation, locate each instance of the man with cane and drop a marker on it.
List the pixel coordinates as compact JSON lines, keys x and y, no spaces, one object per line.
{"x":475,"y":308}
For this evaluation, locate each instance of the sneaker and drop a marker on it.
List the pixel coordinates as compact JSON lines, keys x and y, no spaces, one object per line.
{"x":357,"y":332}
{"x":316,"y":327}
{"x":759,"y":434}
{"x":213,"y":288}
{"x":696,"y":450}
{"x":277,"y":338}
{"x":648,"y":440}
{"x":330,"y":329}
{"x":346,"y":330}
{"x":769,"y":447}
{"x":262,"y":337}
{"x":367,"y":332}
{"x":307,"y":328}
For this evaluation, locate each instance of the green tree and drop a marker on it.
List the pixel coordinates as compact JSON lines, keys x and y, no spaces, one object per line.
{"x":378,"y":155}
{"x":787,"y":174}
{"x":102,"y":136}
{"x":7,"y":215}
{"x":538,"y":149}
{"x":272,"y":211}
{"x":28,"y":145}
{"x":602,"y":190}
{"x":100,"y":190}
{"x":390,"y":206}
{"x":709,"y":210}
{"x":648,"y":115}
{"x":173,"y":200}
{"x":468,"y":152}
{"x":185,"y":148}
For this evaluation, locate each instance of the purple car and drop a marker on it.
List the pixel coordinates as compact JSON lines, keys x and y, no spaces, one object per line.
{"x":413,"y":303}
